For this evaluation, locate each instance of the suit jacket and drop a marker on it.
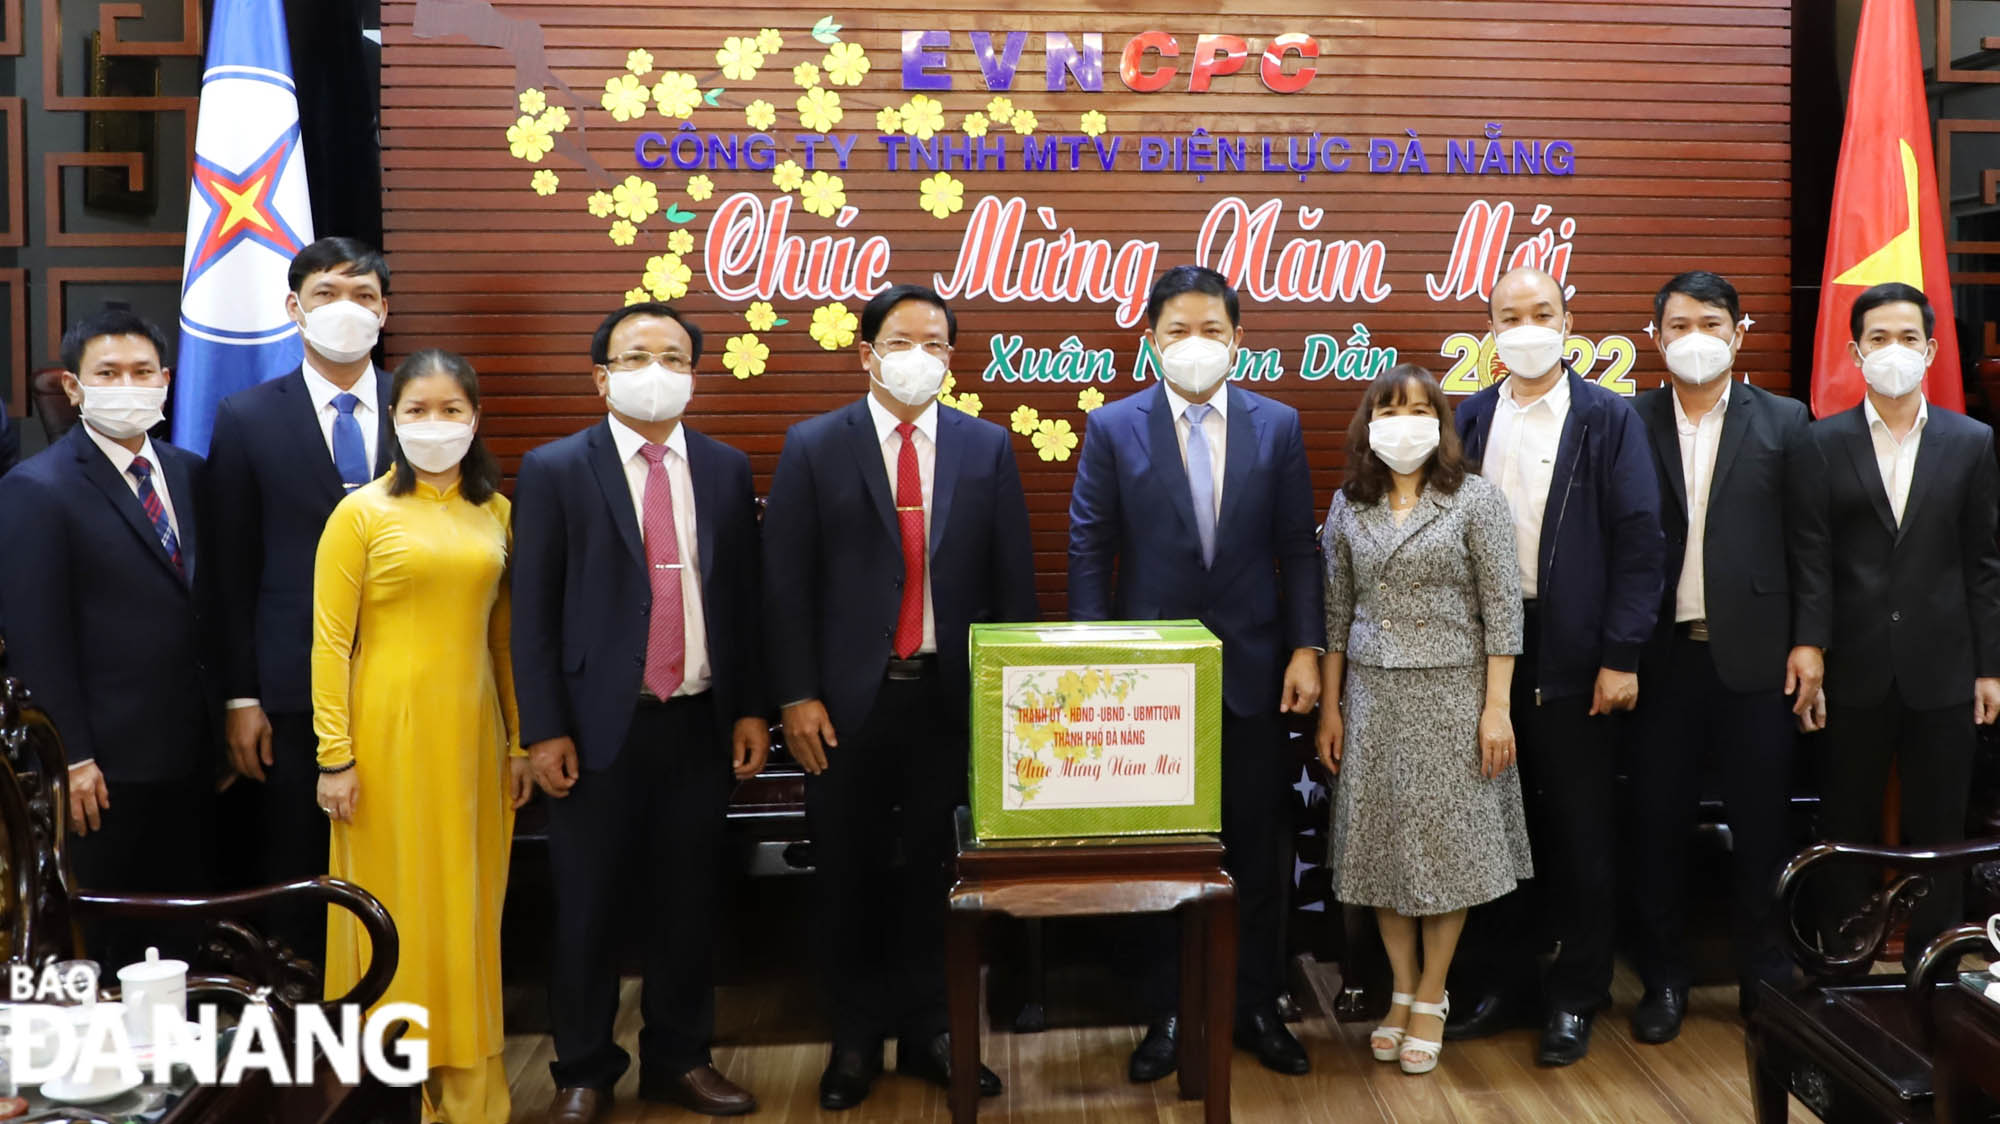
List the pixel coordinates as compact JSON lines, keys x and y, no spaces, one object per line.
{"x":1131,"y":511}
{"x":272,"y":478}
{"x":583,"y":597}
{"x":1917,"y":605}
{"x":1760,"y":600}
{"x":833,"y":557}
{"x":100,"y":625}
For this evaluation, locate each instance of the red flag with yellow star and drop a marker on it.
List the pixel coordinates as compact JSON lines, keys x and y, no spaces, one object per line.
{"x":1887,"y":225}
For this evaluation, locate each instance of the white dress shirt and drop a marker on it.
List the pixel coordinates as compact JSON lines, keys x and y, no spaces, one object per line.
{"x":1897,"y":460}
{"x":694,"y":628}
{"x":892,"y":451}
{"x":1699,"y":441}
{"x":1215,"y":427}
{"x":1521,"y":459}
{"x":121,"y":459}
{"x":367,"y":415}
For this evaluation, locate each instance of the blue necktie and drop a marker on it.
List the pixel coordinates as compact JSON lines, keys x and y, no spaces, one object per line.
{"x":1201,"y":480}
{"x":142,"y":471}
{"x":350,"y":452}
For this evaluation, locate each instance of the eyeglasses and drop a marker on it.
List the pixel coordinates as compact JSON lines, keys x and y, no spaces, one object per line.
{"x":897,"y":344}
{"x":636,"y":360}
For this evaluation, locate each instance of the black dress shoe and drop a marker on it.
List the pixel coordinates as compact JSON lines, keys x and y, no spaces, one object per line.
{"x":1263,"y":1033}
{"x":1565,"y":1039}
{"x":1488,"y":1015}
{"x":1159,"y":1052}
{"x":1658,"y":1016}
{"x":931,"y":1061}
{"x":850,"y":1076}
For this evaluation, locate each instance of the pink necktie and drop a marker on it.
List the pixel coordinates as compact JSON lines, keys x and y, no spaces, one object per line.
{"x":910,"y":519}
{"x":666,"y":636}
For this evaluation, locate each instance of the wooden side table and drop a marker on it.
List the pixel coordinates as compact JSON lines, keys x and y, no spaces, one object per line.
{"x":1965,"y":1073}
{"x":1089,"y":877}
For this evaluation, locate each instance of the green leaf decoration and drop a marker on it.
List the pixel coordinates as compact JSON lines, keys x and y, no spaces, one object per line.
{"x":826,"y":31}
{"x":675,"y":214}
{"x":779,"y":322}
{"x":710,"y":96}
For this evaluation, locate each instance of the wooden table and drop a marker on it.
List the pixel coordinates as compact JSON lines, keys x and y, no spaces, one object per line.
{"x":1965,"y":1068}
{"x":1090,"y":877}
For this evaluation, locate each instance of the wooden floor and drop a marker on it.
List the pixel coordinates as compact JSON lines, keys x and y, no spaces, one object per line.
{"x":1077,"y":1076}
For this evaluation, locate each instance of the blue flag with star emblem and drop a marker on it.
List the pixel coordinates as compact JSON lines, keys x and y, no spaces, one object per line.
{"x":248,"y":214}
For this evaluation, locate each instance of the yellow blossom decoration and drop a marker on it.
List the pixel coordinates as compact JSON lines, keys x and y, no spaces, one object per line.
{"x":527,"y":140}
{"x":744,"y":355}
{"x":555,"y":119}
{"x":788,"y":176}
{"x":1089,"y":398}
{"x":889,"y":120}
{"x":625,"y":98}
{"x":1054,"y":439}
{"x":533,"y":101}
{"x":974,"y":125}
{"x":1093,"y":124}
{"x":770,"y":41}
{"x":819,"y":109}
{"x":942,"y":195}
{"x":760,"y":316}
{"x":637,"y":296}
{"x":667,"y":277}
{"x":823,"y":195}
{"x":1024,"y":420}
{"x":600,"y":204}
{"x":544,"y":182}
{"x":760,"y":114}
{"x":833,"y":327}
{"x":805,"y":76}
{"x":845,"y":64}
{"x":635,"y":199}
{"x":739,"y":58}
{"x":622,"y":233}
{"x":1000,"y":109}
{"x":676,"y":94}
{"x":700,"y":188}
{"x":639,"y":61}
{"x":949,"y":384}
{"x":1024,"y":121}
{"x":923,"y":117}
{"x":967,"y":403}
{"x":680,"y":242}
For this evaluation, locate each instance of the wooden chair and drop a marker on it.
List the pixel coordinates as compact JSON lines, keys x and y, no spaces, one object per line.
{"x":1849,"y":1045}
{"x":40,"y":907}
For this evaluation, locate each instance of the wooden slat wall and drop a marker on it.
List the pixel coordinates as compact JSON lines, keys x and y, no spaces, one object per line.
{"x":1680,"y":114}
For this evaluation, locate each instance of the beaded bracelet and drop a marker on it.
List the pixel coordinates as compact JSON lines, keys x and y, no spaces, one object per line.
{"x":330,"y":770}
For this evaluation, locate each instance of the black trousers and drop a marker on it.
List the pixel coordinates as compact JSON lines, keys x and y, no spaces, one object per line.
{"x":1568,"y":776}
{"x":293,"y":833}
{"x":1932,"y":751}
{"x":639,"y":845}
{"x":156,"y":838}
{"x":1257,"y":772}
{"x":891,"y":786}
{"x":1686,"y":718}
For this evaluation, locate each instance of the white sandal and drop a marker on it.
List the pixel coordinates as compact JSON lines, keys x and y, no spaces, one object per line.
{"x":1426,"y":1051}
{"x":1391,"y":1034}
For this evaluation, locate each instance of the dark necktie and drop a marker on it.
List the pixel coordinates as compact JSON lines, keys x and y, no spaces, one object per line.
{"x":142,"y":471}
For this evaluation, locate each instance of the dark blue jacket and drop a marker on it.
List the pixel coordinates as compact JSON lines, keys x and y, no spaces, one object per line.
{"x":100,"y":626}
{"x":1602,"y":557}
{"x":833,"y":557}
{"x":1131,"y":512}
{"x":583,"y":601}
{"x":272,"y":485}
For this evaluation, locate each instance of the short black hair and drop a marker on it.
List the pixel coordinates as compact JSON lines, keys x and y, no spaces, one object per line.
{"x":1705,"y":287}
{"x":1190,"y":279}
{"x":351,"y":256}
{"x":600,"y":340}
{"x":884,"y":302}
{"x":116,"y":318}
{"x":479,"y":471}
{"x":1890,"y":292}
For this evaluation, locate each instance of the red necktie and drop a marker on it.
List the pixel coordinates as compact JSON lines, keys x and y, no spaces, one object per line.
{"x":666,"y":636}
{"x":910,"y":516}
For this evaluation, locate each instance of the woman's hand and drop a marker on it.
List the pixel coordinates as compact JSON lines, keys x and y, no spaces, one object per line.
{"x":1496,"y":740}
{"x":520,"y":781}
{"x":338,"y":794}
{"x":1332,"y":735}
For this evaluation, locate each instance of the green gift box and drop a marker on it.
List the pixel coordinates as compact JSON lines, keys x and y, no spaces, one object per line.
{"x":1108,"y":728}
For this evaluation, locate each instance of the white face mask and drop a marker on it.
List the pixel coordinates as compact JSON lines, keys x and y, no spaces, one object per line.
{"x":435,"y":446}
{"x":911,"y":377}
{"x":123,"y":411}
{"x":1194,"y":365}
{"x":1403,"y":442}
{"x":1529,"y":350}
{"x":652,"y":393}
{"x":342,"y":330}
{"x":1893,"y":371}
{"x":1699,"y":357}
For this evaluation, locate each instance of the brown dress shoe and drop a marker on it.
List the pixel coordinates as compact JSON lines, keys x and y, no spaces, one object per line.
{"x":703,"y":1089}
{"x":577,"y":1104}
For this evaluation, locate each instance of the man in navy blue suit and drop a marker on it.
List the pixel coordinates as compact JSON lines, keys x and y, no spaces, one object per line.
{"x":639,"y":673}
{"x":1196,"y":495}
{"x":892,"y":526}
{"x":282,"y":454}
{"x":98,"y":589}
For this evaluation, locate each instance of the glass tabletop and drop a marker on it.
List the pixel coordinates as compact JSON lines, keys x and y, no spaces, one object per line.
{"x":1983,"y":985}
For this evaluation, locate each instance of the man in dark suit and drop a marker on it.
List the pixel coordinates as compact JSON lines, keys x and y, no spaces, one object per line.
{"x":98,"y":589}
{"x":639,"y":670}
{"x":1907,"y":539}
{"x":892,"y":526}
{"x":1573,"y":460}
{"x":282,"y":454}
{"x":1237,"y":552}
{"x":1742,"y":625}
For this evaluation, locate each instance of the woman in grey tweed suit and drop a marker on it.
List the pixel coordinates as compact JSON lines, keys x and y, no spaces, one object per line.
{"x":1423,"y":610}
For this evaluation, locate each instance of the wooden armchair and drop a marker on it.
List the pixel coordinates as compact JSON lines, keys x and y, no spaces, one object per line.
{"x":1850,"y":1045}
{"x":40,"y":907}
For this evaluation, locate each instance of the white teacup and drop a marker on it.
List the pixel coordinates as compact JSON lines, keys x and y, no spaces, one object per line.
{"x":149,"y":986}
